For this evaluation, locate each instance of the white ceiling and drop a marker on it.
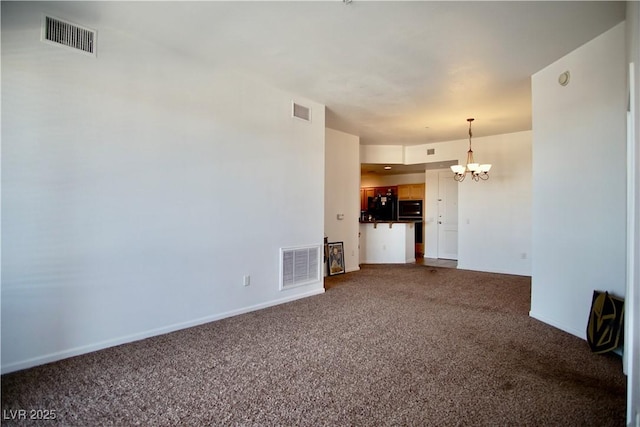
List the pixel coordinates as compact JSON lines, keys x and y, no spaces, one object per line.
{"x":391,"y":72}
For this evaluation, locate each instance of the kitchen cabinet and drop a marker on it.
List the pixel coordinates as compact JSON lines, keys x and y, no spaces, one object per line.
{"x":419,"y":250}
{"x":369,"y":192}
{"x":411,"y":192}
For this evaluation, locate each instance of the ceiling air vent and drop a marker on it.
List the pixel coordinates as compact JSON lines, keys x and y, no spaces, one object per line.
{"x":301,"y":112}
{"x":62,"y":33}
{"x":300,"y":266}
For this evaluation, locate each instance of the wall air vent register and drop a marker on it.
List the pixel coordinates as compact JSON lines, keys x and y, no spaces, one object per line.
{"x":299,"y":266}
{"x":65,"y":34}
{"x":301,"y":112}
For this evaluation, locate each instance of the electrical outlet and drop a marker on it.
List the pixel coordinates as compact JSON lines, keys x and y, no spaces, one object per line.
{"x":247,"y":280}
{"x":523,"y":255}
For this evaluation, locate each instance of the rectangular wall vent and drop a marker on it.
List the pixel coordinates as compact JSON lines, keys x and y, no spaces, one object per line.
{"x":301,"y":112}
{"x":431,"y":151}
{"x":62,"y":33}
{"x":299,"y":266}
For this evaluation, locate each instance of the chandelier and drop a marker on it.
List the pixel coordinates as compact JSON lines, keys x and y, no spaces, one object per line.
{"x":476,"y":170}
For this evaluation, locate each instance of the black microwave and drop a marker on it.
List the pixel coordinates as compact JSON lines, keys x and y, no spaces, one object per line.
{"x":410,"y":209}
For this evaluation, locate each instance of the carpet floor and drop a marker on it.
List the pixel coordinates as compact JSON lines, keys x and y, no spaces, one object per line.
{"x":392,"y":345}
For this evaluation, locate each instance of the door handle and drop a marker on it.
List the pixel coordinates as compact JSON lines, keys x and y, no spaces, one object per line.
{"x":439,"y":222}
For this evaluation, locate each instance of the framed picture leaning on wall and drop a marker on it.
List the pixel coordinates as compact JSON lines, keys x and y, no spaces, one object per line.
{"x":336,"y":258}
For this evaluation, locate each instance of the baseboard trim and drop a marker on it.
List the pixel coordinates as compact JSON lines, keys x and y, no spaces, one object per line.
{"x":77,"y":351}
{"x":462,"y":266}
{"x":558,"y":325}
{"x":406,"y":261}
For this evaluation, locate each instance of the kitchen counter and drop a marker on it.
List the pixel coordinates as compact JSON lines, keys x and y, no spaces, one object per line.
{"x":387,"y":242}
{"x":399,"y":221}
{"x":390,"y":224}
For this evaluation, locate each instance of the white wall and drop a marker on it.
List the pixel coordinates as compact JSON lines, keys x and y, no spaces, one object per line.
{"x":342,"y":195}
{"x":443,"y":151}
{"x":494,"y":229}
{"x":139,"y":189}
{"x":579,"y":182}
{"x":382,"y":154}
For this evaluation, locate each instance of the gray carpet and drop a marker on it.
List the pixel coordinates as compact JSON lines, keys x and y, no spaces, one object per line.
{"x":388,"y":345}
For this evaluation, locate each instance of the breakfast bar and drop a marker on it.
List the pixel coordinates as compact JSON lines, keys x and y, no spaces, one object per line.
{"x":387,"y":242}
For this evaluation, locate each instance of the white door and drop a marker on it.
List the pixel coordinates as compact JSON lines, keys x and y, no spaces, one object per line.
{"x":447,"y":216}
